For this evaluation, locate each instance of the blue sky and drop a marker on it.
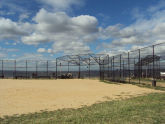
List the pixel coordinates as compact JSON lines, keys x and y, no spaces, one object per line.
{"x":46,"y":29}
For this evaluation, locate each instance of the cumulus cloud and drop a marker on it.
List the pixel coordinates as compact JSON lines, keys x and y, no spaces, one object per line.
{"x":23,"y":16}
{"x":60,"y":22}
{"x":12,"y":7}
{"x":2,"y":13}
{"x":2,"y":55}
{"x":72,"y":34}
{"x":147,"y":29}
{"x":68,"y":34}
{"x":159,"y":6}
{"x":31,"y":56}
{"x":55,"y":27}
{"x":70,"y":47}
{"x":61,"y":4}
{"x":35,"y":39}
{"x":10,"y":29}
{"x":49,"y":50}
{"x":41,"y":50}
{"x":5,"y":51}
{"x":13,"y":30}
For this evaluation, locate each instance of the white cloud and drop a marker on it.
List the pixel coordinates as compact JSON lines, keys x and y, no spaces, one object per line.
{"x":49,"y":51}
{"x":61,"y":4}
{"x":6,"y":50}
{"x":51,"y":22}
{"x":2,"y":13}
{"x":14,"y":55}
{"x":23,"y":16}
{"x":160,"y":5}
{"x":35,"y":39}
{"x":8,"y":43}
{"x":31,"y":56}
{"x":2,"y":55}
{"x":113,"y":52}
{"x":34,"y":56}
{"x":72,"y":34}
{"x":12,"y":30}
{"x":41,"y":50}
{"x":55,"y":27}
{"x":70,"y":47}
{"x":110,"y":31}
{"x":14,"y":43}
{"x":64,"y":31}
{"x":60,"y":22}
{"x":147,"y":29}
{"x":85,"y":24}
{"x":12,"y":6}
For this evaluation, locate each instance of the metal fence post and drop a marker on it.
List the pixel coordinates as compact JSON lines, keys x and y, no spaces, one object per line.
{"x":108,"y":68}
{"x":129,"y":67}
{"x":47,"y":71}
{"x":26,"y":68}
{"x":2,"y":70}
{"x":79,"y":69}
{"x":100,"y":68}
{"x":68,"y":66}
{"x":134,"y":68}
{"x":113,"y":69}
{"x":56,"y":68}
{"x":103,"y":70}
{"x":36,"y":68}
{"x":153,"y":62}
{"x":15,"y":69}
{"x":139,"y":64}
{"x":123,"y":71}
{"x":120,"y":67}
{"x":89,"y":68}
{"x":159,"y":70}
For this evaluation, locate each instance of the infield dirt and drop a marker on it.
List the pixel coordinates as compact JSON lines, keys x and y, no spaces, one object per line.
{"x":27,"y":96}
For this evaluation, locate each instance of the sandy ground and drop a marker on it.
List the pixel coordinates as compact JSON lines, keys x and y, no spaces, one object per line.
{"x":26,"y":96}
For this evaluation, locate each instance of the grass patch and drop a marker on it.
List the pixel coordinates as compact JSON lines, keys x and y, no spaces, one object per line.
{"x":148,"y":86}
{"x":149,"y":109}
{"x":141,"y":84}
{"x":150,"y":79}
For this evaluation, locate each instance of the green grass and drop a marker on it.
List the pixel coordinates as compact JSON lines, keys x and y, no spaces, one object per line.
{"x":148,"y":86}
{"x":148,"y":79}
{"x":141,"y":84}
{"x":149,"y":109}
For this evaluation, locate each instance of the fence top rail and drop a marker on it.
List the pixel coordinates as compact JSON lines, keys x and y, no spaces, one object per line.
{"x":31,"y":60}
{"x":129,"y":51}
{"x":82,"y":58}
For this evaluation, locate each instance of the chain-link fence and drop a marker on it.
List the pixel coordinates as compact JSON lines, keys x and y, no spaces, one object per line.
{"x":80,"y":66}
{"x":142,"y":65}
{"x":27,"y":69}
{"x":76,"y":66}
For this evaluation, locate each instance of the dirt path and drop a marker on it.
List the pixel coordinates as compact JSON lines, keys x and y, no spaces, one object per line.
{"x":24,"y":96}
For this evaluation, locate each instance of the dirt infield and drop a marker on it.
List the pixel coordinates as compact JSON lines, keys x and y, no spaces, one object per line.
{"x":24,"y":96}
